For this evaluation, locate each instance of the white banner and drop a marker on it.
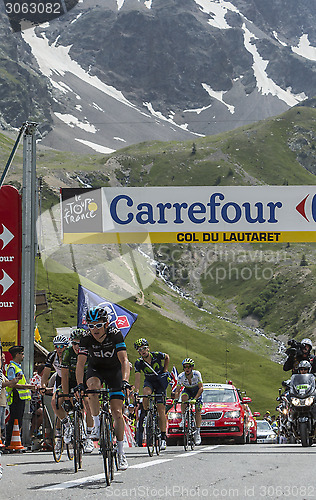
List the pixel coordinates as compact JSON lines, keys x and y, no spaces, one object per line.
{"x":165,"y":214}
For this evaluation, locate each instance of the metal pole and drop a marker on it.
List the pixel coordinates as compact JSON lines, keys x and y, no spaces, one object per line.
{"x":28,"y":261}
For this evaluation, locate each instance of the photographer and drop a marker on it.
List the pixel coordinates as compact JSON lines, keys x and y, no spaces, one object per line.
{"x":298,"y":352}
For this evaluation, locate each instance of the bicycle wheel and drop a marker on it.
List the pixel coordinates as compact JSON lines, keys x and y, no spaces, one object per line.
{"x":77,"y":440}
{"x":192,"y":430}
{"x":113,"y":450}
{"x":115,"y":457}
{"x":186,"y":430}
{"x":58,"y":442}
{"x":150,"y":433}
{"x":105,"y":447}
{"x":157,"y":435}
{"x":47,"y":429}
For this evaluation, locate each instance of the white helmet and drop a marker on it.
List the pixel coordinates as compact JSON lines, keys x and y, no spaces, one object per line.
{"x":61,"y":339}
{"x":307,"y":342}
{"x":305,"y":364}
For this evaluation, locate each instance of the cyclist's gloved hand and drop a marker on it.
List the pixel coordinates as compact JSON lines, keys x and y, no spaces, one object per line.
{"x":125,"y":385}
{"x":80,"y":388}
{"x":67,"y":405}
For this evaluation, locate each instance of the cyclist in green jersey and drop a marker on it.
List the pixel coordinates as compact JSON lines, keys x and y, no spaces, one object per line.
{"x":69,"y":381}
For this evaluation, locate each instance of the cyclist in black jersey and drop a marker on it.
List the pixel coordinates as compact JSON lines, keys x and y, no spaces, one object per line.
{"x":105,"y":349}
{"x":68,"y":382}
{"x":154,"y":365}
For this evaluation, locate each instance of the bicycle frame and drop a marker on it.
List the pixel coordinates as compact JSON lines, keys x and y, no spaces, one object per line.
{"x":189,"y":425}
{"x":153,"y":433}
{"x":107,"y":444}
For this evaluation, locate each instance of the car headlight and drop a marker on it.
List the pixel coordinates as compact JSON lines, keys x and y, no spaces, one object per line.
{"x":271,"y":436}
{"x":309,"y":401}
{"x":295,"y":401}
{"x":232,"y":414}
{"x":173,"y":415}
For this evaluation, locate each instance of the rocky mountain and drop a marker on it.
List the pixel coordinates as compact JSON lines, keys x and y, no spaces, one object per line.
{"x":119,"y":72}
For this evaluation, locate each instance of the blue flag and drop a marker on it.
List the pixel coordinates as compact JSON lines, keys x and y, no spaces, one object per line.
{"x":119,"y":316}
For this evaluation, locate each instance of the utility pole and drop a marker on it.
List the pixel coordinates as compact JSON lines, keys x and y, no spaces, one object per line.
{"x":226,"y":352}
{"x":28,"y":261}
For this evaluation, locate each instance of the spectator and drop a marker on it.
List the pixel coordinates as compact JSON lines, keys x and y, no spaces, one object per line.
{"x":19,"y":394}
{"x":267,"y":416}
{"x":3,"y":398}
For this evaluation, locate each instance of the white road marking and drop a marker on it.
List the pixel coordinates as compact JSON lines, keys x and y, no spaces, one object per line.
{"x":195,"y":452}
{"x":76,"y":482}
{"x":149,"y":464}
{"x":89,"y":479}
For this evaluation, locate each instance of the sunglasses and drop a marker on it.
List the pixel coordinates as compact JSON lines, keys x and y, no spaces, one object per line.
{"x":187,"y":366}
{"x":75,"y":342}
{"x":98,"y":325}
{"x":60,"y":346}
{"x":142,"y":349}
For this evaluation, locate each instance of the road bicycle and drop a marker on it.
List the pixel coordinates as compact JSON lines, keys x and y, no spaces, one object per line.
{"x":78,"y":433}
{"x":153,"y":433}
{"x":58,"y":437}
{"x":189,"y":426}
{"x":108,"y":445}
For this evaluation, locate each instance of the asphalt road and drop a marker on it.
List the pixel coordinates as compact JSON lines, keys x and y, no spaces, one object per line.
{"x":210,"y":471}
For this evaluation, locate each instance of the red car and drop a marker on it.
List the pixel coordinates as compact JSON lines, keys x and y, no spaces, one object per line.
{"x":224,"y":415}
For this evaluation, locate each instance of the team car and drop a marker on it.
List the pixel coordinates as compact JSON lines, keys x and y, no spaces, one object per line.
{"x":224,"y":415}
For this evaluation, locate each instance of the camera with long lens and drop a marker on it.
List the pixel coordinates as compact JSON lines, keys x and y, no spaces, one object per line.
{"x":294,"y":349}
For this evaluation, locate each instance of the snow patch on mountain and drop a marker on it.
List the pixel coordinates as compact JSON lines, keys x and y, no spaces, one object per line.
{"x":276,"y":36}
{"x":305,"y":49}
{"x":218,"y":95}
{"x":96,"y":147}
{"x":159,"y":115}
{"x":54,"y":60}
{"x":217,"y":11}
{"x":265,"y":84}
{"x":72,"y":121}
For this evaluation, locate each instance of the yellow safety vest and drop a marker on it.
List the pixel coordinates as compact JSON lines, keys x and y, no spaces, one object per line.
{"x":23,"y":393}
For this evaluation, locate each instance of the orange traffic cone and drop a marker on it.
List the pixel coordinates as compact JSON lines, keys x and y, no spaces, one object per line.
{"x":1,"y":443}
{"x":15,"y":438}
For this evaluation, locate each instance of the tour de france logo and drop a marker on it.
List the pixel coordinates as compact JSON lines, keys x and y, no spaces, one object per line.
{"x":80,"y":209}
{"x":24,"y":14}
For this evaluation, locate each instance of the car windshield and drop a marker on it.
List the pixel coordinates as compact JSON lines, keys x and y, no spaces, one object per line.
{"x":263,"y":425}
{"x":219,"y":396}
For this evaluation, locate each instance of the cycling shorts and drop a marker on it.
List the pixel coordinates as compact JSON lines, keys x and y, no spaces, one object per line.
{"x":112,"y":378}
{"x":156,"y":388}
{"x":191,"y":392}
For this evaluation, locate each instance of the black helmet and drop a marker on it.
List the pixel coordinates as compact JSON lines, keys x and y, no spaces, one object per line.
{"x":305,"y":364}
{"x":96,"y":314}
{"x":141,"y":343}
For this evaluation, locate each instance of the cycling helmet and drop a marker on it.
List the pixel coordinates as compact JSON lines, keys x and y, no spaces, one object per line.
{"x":305,"y":364}
{"x":60,"y":339}
{"x":307,"y":342}
{"x":141,"y":343}
{"x":77,"y":334}
{"x":188,"y":361}
{"x":96,"y":314}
